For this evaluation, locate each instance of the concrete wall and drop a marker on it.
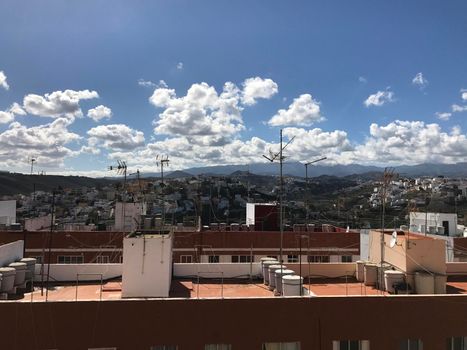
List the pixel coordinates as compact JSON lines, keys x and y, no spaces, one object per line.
{"x":11,"y":252}
{"x":68,"y":272}
{"x":147,"y":266}
{"x":36,"y":224}
{"x":328,"y":270}
{"x":364,"y":244}
{"x":229,"y":270}
{"x":8,"y":212}
{"x":130,"y":217}
{"x":456,"y":268}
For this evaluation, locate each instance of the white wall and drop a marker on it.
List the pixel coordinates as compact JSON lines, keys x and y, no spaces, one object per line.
{"x":130,"y":217}
{"x":36,"y":224}
{"x":250,"y":213}
{"x":434,"y":219}
{"x":364,"y":244}
{"x":147,"y":266}
{"x":68,"y":272}
{"x":11,"y":252}
{"x":228,"y":270}
{"x":8,"y":212}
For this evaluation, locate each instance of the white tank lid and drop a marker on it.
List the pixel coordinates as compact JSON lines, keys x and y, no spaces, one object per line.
{"x":393,"y":272}
{"x":29,"y":261}
{"x":276,"y":267}
{"x":284,"y":272}
{"x":18,"y":265}
{"x":267,"y":258}
{"x":270,"y":262}
{"x":6,"y":271}
{"x":295,"y":279}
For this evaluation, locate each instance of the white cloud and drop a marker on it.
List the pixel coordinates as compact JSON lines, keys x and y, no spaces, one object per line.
{"x":180,"y":65}
{"x":44,"y":142}
{"x":255,"y":88}
{"x":203,"y":115}
{"x":456,"y":108}
{"x":303,"y":111}
{"x":146,"y":83}
{"x":100,"y":112}
{"x":464,"y":94}
{"x":3,"y":82}
{"x":9,"y":115}
{"x":58,"y":103}
{"x":443,"y":116}
{"x":420,"y":81}
{"x":115,"y":137}
{"x":362,"y":80}
{"x":379,"y":98}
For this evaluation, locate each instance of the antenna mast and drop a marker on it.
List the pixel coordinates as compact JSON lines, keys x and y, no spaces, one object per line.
{"x":121,"y":168}
{"x":388,"y":176}
{"x":307,"y":186}
{"x":162,"y":161}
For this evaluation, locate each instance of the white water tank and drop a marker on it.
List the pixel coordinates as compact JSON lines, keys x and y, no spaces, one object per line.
{"x":8,"y":279}
{"x":272,"y":277}
{"x":31,"y":267}
{"x":266,"y":265}
{"x":21,"y":269}
{"x":440,"y":284}
{"x":360,"y":270}
{"x":424,"y":283}
{"x":262,"y":260}
{"x":278,"y":274}
{"x":292,"y":285}
{"x":392,"y":277}
{"x":371,"y":274}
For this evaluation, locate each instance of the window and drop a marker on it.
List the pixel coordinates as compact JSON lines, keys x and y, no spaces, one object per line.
{"x":282,"y":346}
{"x":213,"y":258}
{"x":346,"y":258}
{"x":186,"y":259}
{"x":411,"y":344}
{"x":164,"y":347}
{"x":292,"y":258}
{"x":69,"y":259}
{"x":351,"y":345}
{"x":241,"y":258}
{"x":318,"y":258}
{"x":456,"y":343}
{"x":103,"y":259}
{"x":218,"y":347}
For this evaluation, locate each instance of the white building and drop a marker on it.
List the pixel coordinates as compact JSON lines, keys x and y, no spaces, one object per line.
{"x":128,"y":216}
{"x":434,"y":223}
{"x":7,"y":212}
{"x":147,"y":265}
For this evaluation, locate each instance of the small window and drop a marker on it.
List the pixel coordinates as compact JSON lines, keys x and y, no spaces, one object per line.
{"x":241,"y":258}
{"x":456,"y":343}
{"x":164,"y":347}
{"x":282,"y":346}
{"x":218,"y":347}
{"x":318,"y":258}
{"x":346,"y":258}
{"x":186,"y":259}
{"x":351,"y":345}
{"x":103,"y":259}
{"x":411,"y":344}
{"x":292,"y":258}
{"x":69,"y":259}
{"x":213,"y":259}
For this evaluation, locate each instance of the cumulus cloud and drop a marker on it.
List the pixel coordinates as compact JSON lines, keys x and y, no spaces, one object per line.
{"x":362,"y":80}
{"x":255,"y":88}
{"x":100,"y":112}
{"x":9,"y":115}
{"x":180,"y":65}
{"x":379,"y":98}
{"x":3,"y":82}
{"x":44,"y":142}
{"x":420,"y":81}
{"x":146,"y":83}
{"x":58,"y":103}
{"x":464,"y":94}
{"x":202,"y":114}
{"x":115,"y":137}
{"x":456,"y":108}
{"x":443,"y":116}
{"x":303,"y":111}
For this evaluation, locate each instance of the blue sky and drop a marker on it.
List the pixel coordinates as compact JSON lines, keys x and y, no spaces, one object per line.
{"x":339,"y":52}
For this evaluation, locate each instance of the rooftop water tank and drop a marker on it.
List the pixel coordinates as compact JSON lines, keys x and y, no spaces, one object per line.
{"x":31,"y":267}
{"x":21,"y":269}
{"x":370,"y":273}
{"x":266,"y":265}
{"x":278,"y":274}
{"x":234,"y":227}
{"x":391,"y":278}
{"x":8,"y":279}
{"x":262,"y":260}
{"x":292,"y":285}
{"x":440,"y":284}
{"x":424,"y":283}
{"x":360,"y":271}
{"x":272,"y":277}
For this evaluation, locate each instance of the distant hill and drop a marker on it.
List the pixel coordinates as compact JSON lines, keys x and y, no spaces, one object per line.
{"x":177,"y":174}
{"x":16,"y":183}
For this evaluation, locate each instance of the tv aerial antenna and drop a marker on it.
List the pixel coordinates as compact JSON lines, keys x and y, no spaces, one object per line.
{"x":32,"y":160}
{"x":162,"y":161}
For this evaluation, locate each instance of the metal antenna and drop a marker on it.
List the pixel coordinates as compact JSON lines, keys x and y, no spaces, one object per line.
{"x":162,"y":161}
{"x":307,"y":186}
{"x":272,"y":158}
{"x":32,"y":160}
{"x":121,"y":169}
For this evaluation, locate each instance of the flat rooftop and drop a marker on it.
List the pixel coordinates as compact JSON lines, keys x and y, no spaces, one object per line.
{"x":216,"y":289}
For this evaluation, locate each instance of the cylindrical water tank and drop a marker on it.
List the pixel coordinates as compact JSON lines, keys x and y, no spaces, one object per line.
{"x":291,"y":285}
{"x":278,"y":274}
{"x":360,"y":270}
{"x":440,"y":284}
{"x":370,"y":273}
{"x":424,"y":283}
{"x":21,"y":269}
{"x":31,"y":267}
{"x":391,"y":278}
{"x":8,"y":279}
{"x":272,"y":277}
{"x":262,"y":260}
{"x":266,"y":265}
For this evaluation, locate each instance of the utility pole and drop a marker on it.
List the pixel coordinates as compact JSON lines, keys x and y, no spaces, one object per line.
{"x":387,"y":178}
{"x":307,"y":186}
{"x":49,"y":252}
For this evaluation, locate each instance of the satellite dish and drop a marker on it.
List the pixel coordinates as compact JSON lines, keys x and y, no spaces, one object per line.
{"x":393,"y":239}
